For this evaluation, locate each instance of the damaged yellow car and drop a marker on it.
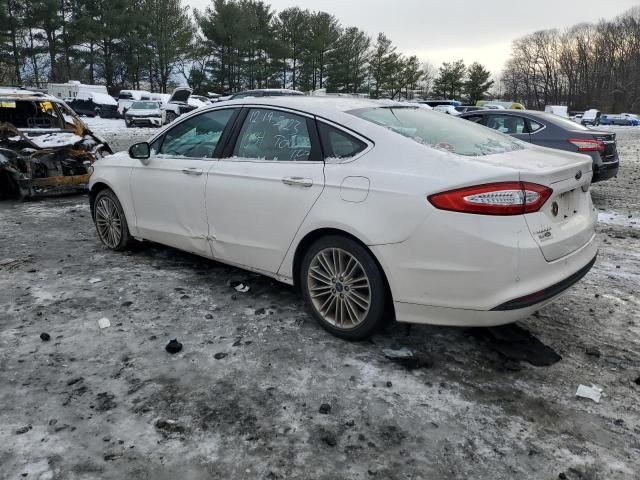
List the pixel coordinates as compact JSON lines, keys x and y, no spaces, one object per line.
{"x":45,"y":148}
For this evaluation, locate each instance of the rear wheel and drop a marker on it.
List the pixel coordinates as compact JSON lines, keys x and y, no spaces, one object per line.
{"x":344,"y":287}
{"x":110,"y":221}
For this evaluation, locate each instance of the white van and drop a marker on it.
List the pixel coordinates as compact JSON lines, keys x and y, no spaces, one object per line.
{"x":559,"y":110}
{"x":72,"y":88}
{"x":591,"y":117}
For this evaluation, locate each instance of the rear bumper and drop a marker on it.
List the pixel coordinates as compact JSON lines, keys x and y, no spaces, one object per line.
{"x":605,"y":171}
{"x":145,"y":121}
{"x":541,"y":296}
{"x":467,"y":273}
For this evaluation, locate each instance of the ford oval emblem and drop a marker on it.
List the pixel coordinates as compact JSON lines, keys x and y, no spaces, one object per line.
{"x":579,"y":175}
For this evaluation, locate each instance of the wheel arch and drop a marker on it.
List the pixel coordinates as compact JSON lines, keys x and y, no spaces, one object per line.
{"x":93,"y":193}
{"x":314,"y":235}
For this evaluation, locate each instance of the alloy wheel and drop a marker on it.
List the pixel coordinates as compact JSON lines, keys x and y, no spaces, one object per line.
{"x":339,"y":288}
{"x":109,"y":222}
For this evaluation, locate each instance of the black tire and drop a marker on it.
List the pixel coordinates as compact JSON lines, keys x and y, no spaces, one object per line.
{"x":107,"y":206}
{"x":170,"y":117}
{"x":366,"y":266}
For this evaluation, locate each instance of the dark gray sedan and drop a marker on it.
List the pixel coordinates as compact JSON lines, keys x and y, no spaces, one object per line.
{"x":552,"y":131}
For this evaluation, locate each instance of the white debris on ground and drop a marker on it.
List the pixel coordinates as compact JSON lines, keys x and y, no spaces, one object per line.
{"x":593,"y":393}
{"x":104,"y":322}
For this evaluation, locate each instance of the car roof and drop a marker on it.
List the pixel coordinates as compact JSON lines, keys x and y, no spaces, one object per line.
{"x":22,"y":94}
{"x":314,"y":104}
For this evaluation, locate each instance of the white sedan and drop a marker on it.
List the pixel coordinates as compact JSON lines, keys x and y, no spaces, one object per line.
{"x":374,"y":210}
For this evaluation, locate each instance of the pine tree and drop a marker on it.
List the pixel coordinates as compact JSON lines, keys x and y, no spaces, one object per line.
{"x":347,"y":67}
{"x":450,"y":82}
{"x":478,"y":83}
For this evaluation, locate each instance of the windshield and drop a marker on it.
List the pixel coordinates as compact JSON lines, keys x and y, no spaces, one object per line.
{"x":144,"y":106}
{"x":439,"y":131}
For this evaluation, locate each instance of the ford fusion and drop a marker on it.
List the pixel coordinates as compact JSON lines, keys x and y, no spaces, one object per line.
{"x":371,"y":209}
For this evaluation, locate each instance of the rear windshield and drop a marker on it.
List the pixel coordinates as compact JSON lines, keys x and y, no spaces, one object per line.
{"x":563,"y":122}
{"x":440,"y":131}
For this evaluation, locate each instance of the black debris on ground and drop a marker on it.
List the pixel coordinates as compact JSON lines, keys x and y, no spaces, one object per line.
{"x":173,"y":347}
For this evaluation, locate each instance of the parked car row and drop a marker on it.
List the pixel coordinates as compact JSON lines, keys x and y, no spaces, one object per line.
{"x":553,"y":131}
{"x":339,"y":236}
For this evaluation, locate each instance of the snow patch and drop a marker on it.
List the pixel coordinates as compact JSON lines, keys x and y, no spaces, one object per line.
{"x":58,"y":139}
{"x":615,"y":218}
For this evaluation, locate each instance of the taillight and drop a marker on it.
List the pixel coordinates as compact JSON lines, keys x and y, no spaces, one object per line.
{"x":504,"y":198}
{"x":587,"y":145}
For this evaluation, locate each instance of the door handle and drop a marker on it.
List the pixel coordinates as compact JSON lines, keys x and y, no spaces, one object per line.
{"x":192,"y":171}
{"x":298,"y":181}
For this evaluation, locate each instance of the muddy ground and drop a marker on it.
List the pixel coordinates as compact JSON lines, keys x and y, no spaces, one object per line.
{"x":243,"y":399}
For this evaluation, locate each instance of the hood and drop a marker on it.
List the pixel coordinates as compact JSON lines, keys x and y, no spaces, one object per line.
{"x":181,"y":95}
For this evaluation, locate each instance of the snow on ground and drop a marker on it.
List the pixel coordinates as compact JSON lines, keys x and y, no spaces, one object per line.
{"x":615,"y":218}
{"x":242,"y":400}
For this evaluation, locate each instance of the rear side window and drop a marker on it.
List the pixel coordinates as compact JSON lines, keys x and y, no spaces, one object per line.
{"x":338,"y":144}
{"x":534,"y":126}
{"x":509,"y":124}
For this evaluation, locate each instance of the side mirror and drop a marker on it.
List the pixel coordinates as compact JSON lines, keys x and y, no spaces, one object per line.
{"x":141,"y":151}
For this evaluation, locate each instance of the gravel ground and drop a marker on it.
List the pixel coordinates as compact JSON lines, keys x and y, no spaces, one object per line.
{"x":259,"y":391}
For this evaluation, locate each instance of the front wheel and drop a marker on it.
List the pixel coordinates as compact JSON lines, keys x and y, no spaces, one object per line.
{"x":110,"y":221}
{"x":343,"y":287}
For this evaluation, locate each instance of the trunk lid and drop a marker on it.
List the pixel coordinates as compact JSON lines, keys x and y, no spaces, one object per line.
{"x":566,"y":221}
{"x":180,"y":95}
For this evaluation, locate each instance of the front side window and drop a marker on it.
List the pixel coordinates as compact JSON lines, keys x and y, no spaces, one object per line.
{"x":480,"y":119}
{"x":338,"y":144}
{"x":508,"y":124}
{"x":274,"y":135}
{"x":196,"y":137}
{"x":442,"y":132}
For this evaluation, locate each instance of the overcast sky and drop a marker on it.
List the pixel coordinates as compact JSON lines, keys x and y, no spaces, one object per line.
{"x":445,"y":30}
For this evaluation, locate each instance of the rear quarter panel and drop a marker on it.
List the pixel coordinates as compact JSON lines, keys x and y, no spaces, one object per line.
{"x":401,"y":174}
